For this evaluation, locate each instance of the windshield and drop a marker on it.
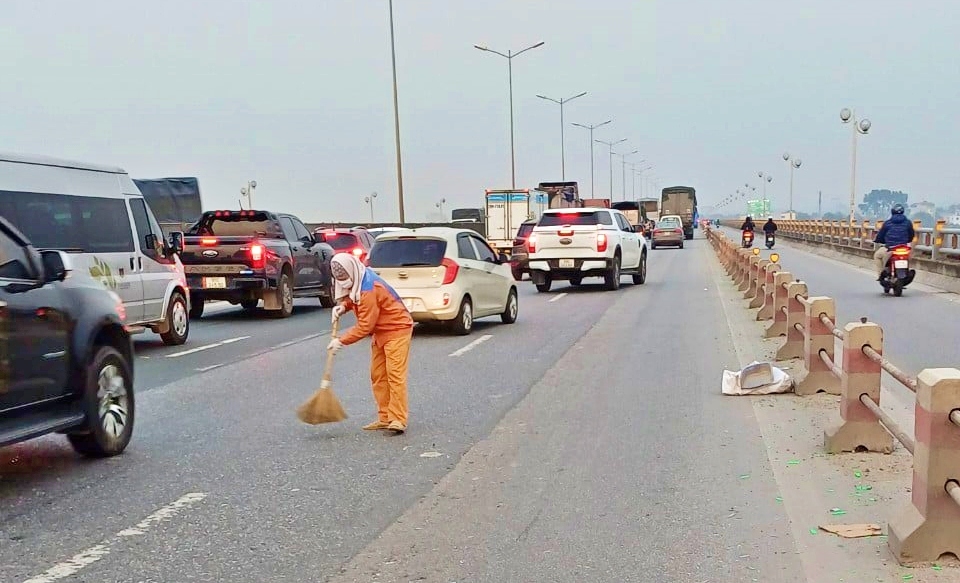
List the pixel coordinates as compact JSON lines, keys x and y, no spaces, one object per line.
{"x":408,"y":252}
{"x":669,"y":224}
{"x":235,"y":225}
{"x":575,"y":218}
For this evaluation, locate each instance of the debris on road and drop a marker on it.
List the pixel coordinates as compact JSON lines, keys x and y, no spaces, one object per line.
{"x":756,"y":379}
{"x":853,"y":530}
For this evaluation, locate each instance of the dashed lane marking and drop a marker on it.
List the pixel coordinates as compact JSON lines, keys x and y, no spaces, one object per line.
{"x":472,"y":345}
{"x":206,"y":347}
{"x":557,"y":297}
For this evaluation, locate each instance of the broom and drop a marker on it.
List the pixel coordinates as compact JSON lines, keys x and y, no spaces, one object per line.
{"x":323,"y":406}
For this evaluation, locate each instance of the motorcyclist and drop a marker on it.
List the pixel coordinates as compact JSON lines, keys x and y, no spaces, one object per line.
{"x":770,"y":227}
{"x":747,"y":225}
{"x":897,"y":230}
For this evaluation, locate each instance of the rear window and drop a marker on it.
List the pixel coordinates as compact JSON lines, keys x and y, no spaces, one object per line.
{"x":525,"y":230}
{"x":575,"y":218}
{"x":257,"y":225}
{"x":341,"y":241}
{"x":669,"y":224}
{"x":408,"y":253}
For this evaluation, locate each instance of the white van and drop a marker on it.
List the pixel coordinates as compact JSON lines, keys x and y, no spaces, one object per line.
{"x":98,"y":215}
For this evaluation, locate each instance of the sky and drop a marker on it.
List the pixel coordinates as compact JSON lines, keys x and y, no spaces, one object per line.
{"x":298,"y":96}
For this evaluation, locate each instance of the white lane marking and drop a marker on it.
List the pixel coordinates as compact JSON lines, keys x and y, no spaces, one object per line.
{"x":557,"y":297}
{"x":85,"y":558}
{"x":211,"y":367}
{"x":472,"y":345}
{"x":206,"y":347}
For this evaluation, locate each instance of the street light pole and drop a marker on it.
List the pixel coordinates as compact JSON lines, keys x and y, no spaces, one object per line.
{"x":509,"y":57}
{"x":765,"y":179}
{"x":623,"y":173}
{"x":248,"y":192}
{"x":369,"y":200}
{"x":611,"y":145}
{"x":794,"y":164}
{"x":563,"y":157}
{"x":396,"y":116}
{"x":591,"y":128}
{"x":859,"y":127}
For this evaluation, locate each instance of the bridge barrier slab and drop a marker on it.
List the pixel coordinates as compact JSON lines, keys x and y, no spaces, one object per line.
{"x":793,"y":347}
{"x":817,"y":376}
{"x":756,"y":300}
{"x":769,"y":279}
{"x":779,"y":325}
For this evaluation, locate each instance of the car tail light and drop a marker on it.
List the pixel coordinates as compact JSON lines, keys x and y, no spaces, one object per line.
{"x":532,"y":244}
{"x":208,"y":241}
{"x":257,"y":253}
{"x":566,"y":232}
{"x":901,"y":251}
{"x":451,"y":270}
{"x":678,"y":231}
{"x":357,"y":252}
{"x":601,"y":242}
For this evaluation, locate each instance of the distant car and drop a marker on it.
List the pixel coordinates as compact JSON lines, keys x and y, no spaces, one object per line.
{"x":356,"y":241}
{"x":519,"y":258}
{"x":669,"y":231}
{"x":67,"y":365}
{"x":446,"y":275}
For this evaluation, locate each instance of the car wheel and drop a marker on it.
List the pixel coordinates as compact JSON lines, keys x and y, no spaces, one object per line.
{"x":575,"y":281}
{"x":545,"y":286}
{"x":641,"y":278}
{"x":681,"y":244}
{"x":463,"y":324}
{"x":249,"y":305}
{"x":611,"y":278}
{"x":179,"y":323}
{"x":328,"y":301}
{"x":109,"y":406}
{"x":653,"y":245}
{"x":516,"y":272}
{"x":196,"y":308}
{"x":509,"y":315}
{"x":285,"y":293}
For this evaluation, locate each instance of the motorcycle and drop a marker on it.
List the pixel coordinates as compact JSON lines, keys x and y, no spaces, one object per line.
{"x":771,"y":240}
{"x":747,"y":240}
{"x":897,"y":274}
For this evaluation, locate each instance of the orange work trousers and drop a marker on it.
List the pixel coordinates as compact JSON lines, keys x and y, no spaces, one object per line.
{"x":388,"y":373}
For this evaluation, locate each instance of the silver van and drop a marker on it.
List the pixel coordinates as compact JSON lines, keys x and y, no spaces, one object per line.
{"x":98,"y":215}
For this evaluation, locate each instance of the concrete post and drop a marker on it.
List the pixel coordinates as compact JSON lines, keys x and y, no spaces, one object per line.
{"x":793,"y":347}
{"x":749,"y":275}
{"x":779,"y":325}
{"x":858,"y":429}
{"x":766,"y":312}
{"x":818,"y":377}
{"x":930,"y":525}
{"x":743,"y":263}
{"x":757,"y":286}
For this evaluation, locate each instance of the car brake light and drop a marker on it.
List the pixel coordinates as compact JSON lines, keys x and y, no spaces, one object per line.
{"x":256,"y":256}
{"x":566,"y":232}
{"x":901,"y":251}
{"x":532,"y":243}
{"x":207,"y":241}
{"x":357,"y":251}
{"x":657,"y":231}
{"x":601,"y":242}
{"x":451,"y":270}
{"x":678,"y":231}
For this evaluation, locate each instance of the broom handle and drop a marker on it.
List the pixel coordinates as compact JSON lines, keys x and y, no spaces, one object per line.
{"x":326,"y":371}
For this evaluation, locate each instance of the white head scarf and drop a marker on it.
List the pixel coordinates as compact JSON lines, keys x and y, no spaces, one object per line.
{"x":346,"y":264}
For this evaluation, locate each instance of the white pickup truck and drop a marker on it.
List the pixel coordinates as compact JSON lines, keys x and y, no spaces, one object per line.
{"x":571,"y":244}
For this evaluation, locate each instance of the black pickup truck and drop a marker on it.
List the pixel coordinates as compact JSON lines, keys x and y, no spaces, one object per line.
{"x":246,"y":256}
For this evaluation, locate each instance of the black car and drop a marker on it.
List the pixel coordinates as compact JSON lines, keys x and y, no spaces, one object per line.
{"x":66,"y":360}
{"x":518,"y":256}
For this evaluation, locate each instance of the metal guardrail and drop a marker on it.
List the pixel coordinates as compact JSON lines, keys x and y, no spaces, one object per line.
{"x":929,"y":526}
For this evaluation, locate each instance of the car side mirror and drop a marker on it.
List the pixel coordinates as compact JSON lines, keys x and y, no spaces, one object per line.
{"x":57,"y":265}
{"x":503,"y":258}
{"x":308,"y":240}
{"x":176,"y":242}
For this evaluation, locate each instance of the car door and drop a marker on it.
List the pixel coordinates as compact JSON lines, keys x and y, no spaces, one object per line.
{"x":496,"y":278}
{"x":472,"y":271}
{"x":155,"y":269}
{"x":630,"y":246}
{"x":313,"y":268}
{"x":299,"y":253}
{"x":34,"y":332}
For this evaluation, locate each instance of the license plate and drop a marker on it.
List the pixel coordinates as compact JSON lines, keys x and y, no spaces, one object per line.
{"x":566,"y":263}
{"x":215,"y":282}
{"x":901,"y":264}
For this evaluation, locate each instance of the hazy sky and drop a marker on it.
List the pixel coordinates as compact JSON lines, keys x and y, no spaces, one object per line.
{"x":297,"y":95}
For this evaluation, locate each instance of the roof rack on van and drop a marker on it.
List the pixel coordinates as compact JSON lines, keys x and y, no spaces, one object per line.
{"x":58,"y":162}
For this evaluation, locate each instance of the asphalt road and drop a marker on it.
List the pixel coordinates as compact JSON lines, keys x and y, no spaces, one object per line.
{"x":586,"y":442}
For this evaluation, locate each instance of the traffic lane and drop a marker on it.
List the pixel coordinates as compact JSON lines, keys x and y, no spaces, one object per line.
{"x":917,"y":330}
{"x":307,"y":497}
{"x":630,"y":463}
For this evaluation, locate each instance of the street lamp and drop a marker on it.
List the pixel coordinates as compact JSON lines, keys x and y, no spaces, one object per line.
{"x":509,"y":57}
{"x":591,"y":128}
{"x":369,"y":200}
{"x":439,"y":205}
{"x":640,"y":172}
{"x":560,"y":102}
{"x":611,"y":145}
{"x":859,"y":127}
{"x":396,"y":115}
{"x":765,"y":179}
{"x":623,"y":172}
{"x":794,"y":164}
{"x":248,"y":192}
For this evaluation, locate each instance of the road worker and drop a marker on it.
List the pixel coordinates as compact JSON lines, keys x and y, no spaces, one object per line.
{"x":382,"y":315}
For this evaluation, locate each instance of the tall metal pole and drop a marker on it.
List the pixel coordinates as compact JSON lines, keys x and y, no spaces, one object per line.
{"x":611,"y":172}
{"x":513,"y":159}
{"x":396,"y":115}
{"x":590,"y":128}
{"x":563,"y":155}
{"x":853,"y":170}
{"x":791,"y":190}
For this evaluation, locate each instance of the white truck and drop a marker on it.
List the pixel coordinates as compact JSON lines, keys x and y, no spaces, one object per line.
{"x":571,"y":244}
{"x":505,"y":210}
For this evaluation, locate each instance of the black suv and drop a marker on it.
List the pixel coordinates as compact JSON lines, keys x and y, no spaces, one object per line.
{"x":66,"y":360}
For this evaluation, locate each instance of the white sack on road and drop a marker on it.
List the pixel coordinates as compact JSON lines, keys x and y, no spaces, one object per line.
{"x":756,"y":379}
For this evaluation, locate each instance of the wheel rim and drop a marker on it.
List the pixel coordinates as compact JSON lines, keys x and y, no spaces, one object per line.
{"x":513,"y":306}
{"x":467,"y":316}
{"x":113,"y":399}
{"x":643,"y":268}
{"x":616,"y":270}
{"x":179,"y":318}
{"x":287,"y":294}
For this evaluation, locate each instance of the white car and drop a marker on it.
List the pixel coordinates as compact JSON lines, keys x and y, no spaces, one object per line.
{"x":446,"y":275}
{"x":573,"y":243}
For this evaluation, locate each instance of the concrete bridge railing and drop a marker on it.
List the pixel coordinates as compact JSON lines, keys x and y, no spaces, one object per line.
{"x":929,"y":526}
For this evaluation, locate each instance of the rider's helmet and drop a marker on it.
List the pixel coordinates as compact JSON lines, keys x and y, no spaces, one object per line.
{"x":748,"y":218}
{"x":897,"y":209}
{"x":769,"y":218}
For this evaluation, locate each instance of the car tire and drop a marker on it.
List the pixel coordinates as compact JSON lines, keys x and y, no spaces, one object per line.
{"x":178,"y":320}
{"x":641,"y":277}
{"x":196,"y":308}
{"x":575,"y":281}
{"x":509,"y":315}
{"x":107,"y":383}
{"x":653,"y":245}
{"x":463,"y":324}
{"x":545,"y":286}
{"x":328,"y":301}
{"x":284,"y":297}
{"x":611,"y":279}
{"x":681,"y":244}
{"x":250,"y":305}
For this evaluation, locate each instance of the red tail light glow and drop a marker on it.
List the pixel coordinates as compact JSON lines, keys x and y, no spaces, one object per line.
{"x":601,"y":242}
{"x":678,"y":231}
{"x":451,"y":270}
{"x":208,"y":241}
{"x":532,"y":244}
{"x":657,"y":231}
{"x":357,"y":252}
{"x":257,"y":253}
{"x":901,"y":251}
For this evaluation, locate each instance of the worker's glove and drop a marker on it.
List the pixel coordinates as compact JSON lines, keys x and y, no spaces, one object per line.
{"x":335,"y":345}
{"x":337,"y":311}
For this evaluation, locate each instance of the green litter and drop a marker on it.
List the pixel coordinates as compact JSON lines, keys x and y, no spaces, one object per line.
{"x":793,"y":463}
{"x":863,"y":487}
{"x":837,"y":511}
{"x":907,"y":577}
{"x":813,"y":531}
{"x":779,"y":499}
{"x":744,"y":476}
{"x":937,"y":568}
{"x":857,"y":474}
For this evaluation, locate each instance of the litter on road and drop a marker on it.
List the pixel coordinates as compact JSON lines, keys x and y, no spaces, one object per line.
{"x":853,"y":530}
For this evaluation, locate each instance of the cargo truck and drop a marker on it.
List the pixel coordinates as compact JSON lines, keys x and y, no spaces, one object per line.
{"x":505,"y":210}
{"x":650,"y":208}
{"x":680,"y":201}
{"x":561,"y":194}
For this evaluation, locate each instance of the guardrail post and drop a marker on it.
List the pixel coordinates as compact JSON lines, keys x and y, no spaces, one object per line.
{"x":779,"y":325}
{"x":738,"y":271}
{"x":770,"y":272}
{"x":858,"y":429}
{"x":744,"y":268}
{"x":731,"y":259}
{"x":793,"y":347}
{"x":937,"y":242}
{"x":930,"y":525}
{"x":818,"y":337}
{"x":748,"y":274}
{"x":756,"y":284}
